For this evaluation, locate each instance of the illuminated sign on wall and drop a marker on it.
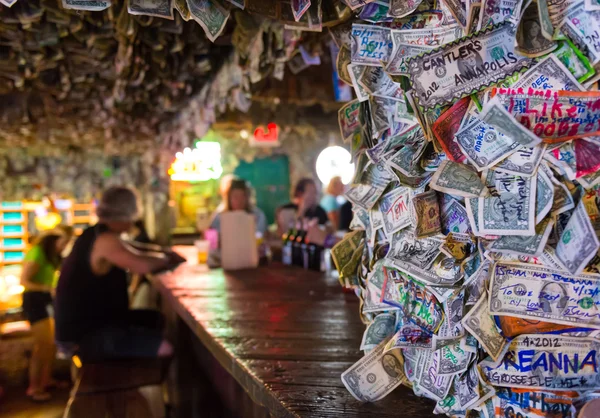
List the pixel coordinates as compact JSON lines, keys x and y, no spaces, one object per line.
{"x":265,"y":138}
{"x":199,"y":164}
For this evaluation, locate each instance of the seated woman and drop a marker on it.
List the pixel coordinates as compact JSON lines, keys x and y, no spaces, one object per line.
{"x":330,"y":203}
{"x":92,"y":306}
{"x":38,"y":278}
{"x":238,"y":198}
{"x":303,"y":205}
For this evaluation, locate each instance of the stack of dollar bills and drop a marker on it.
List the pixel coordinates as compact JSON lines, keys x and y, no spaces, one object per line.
{"x":474,"y":244}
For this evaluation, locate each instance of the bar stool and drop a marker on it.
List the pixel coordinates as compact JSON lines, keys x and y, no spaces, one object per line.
{"x":118,"y":388}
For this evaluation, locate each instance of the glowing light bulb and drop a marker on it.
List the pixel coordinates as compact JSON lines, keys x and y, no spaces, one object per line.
{"x":335,"y":161}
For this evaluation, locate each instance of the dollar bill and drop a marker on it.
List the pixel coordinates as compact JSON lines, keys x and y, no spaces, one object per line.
{"x":376,"y":218}
{"x":341,"y":64}
{"x":591,"y":5}
{"x":496,"y":115}
{"x":427,"y":212}
{"x":458,"y":11}
{"x":404,"y":161}
{"x":348,"y":119}
{"x":376,"y":82}
{"x":432,"y":385}
{"x":549,"y":73}
{"x":299,"y":7}
{"x":370,"y":44}
{"x":532,"y":404}
{"x":355,"y":72}
{"x":447,"y":125}
{"x":364,"y":196}
{"x":183,"y":9}
{"x":382,"y":328}
{"x":466,"y":388}
{"x":355,"y":4}
{"x":373,"y":290}
{"x":376,"y":175}
{"x":395,"y":208}
{"x":590,"y":180}
{"x":401,"y":8}
{"x":455,"y":219}
{"x":210,"y":15}
{"x":453,"y":360}
{"x":523,"y":162}
{"x":457,"y":179}
{"x":544,"y":196}
{"x":375,"y":375}
{"x":484,"y":145}
{"x":586,"y":27}
{"x":458,"y":246}
{"x":382,"y":109}
{"x":546,"y":112}
{"x":465,"y":67}
{"x":473,"y":18}
{"x":545,"y":362}
{"x":161,"y":8}
{"x":545,"y":20}
{"x":578,"y":243}
{"x":341,"y":34}
{"x":88,"y":5}
{"x":442,"y":273}
{"x":397,"y":65}
{"x":540,"y":293}
{"x":409,"y":335}
{"x":530,"y":40}
{"x":421,"y":253}
{"x":416,"y":303}
{"x":562,"y":201}
{"x":8,"y":3}
{"x":519,"y":245}
{"x":497,"y":11}
{"x":343,"y":251}
{"x":480,"y":324}
{"x":376,"y":12}
{"x":432,"y":37}
{"x":512,"y":212}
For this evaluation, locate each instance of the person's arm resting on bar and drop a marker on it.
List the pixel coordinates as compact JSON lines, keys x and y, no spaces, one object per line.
{"x":111,"y":249}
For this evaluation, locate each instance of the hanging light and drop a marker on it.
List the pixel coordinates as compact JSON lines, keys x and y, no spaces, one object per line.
{"x":335,"y":161}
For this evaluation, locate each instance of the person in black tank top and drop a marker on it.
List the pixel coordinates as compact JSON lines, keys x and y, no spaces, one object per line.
{"x":92,"y":312}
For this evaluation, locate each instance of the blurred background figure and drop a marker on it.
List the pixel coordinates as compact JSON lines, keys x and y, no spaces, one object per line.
{"x":304,"y":204}
{"x":38,"y":277}
{"x":330,"y":202}
{"x":93,"y":318}
{"x":224,"y":185}
{"x":239,"y":197}
{"x":346,"y":215}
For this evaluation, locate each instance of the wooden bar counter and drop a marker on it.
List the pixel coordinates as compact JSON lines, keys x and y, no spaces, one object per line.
{"x":283,"y":333}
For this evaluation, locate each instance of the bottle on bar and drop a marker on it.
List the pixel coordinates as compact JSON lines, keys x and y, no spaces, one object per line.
{"x":286,"y":249}
{"x":300,"y":247}
{"x":297,"y":259}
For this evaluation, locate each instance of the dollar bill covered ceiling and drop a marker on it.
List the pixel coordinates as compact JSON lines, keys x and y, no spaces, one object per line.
{"x":122,"y":74}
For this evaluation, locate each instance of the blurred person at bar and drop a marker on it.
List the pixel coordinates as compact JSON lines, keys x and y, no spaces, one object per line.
{"x":239,"y":197}
{"x":93,"y":318}
{"x":330,"y":203}
{"x":38,"y":277}
{"x":224,"y":186}
{"x":346,"y":216}
{"x":304,"y":205}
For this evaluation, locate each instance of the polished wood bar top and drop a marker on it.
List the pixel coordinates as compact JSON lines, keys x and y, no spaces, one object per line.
{"x":285,"y":334}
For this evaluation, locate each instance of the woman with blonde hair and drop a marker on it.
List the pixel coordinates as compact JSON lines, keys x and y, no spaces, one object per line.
{"x":330,"y":203}
{"x":38,"y":277}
